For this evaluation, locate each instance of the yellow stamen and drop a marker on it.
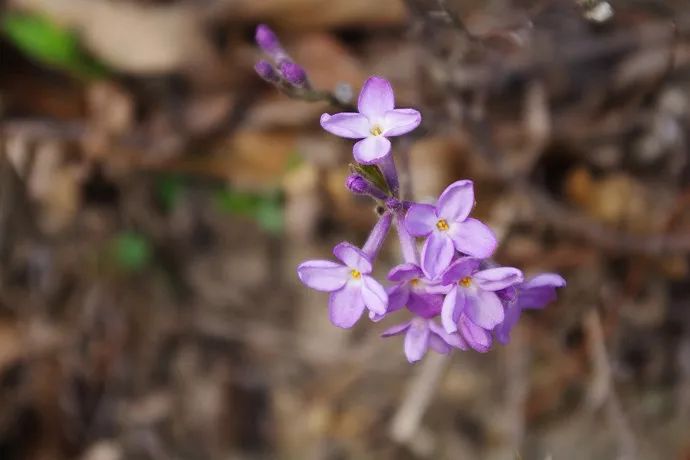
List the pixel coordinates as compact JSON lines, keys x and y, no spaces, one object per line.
{"x":355,"y":274}
{"x":442,"y":225}
{"x":376,"y":130}
{"x":414,"y":282}
{"x":465,"y":282}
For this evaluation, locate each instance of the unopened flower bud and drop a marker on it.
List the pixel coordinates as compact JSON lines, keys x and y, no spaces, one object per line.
{"x":293,"y":73}
{"x":267,"y":40}
{"x":266,"y":71}
{"x":360,"y":186}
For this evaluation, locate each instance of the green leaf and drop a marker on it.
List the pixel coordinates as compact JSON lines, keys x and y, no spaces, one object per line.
{"x":50,"y":44}
{"x":372,"y":173}
{"x":132,"y":251}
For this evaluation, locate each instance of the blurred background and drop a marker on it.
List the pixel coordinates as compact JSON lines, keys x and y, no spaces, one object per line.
{"x":156,"y":197}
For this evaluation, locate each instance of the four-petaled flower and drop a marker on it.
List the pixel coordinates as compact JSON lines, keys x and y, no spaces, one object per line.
{"x":377,"y":120}
{"x":413,"y":290}
{"x":534,"y":293}
{"x":351,"y":287}
{"x":471,"y":304}
{"x":448,"y":228}
{"x":422,"y":334}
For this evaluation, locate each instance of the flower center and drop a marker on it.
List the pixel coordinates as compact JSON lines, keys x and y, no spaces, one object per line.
{"x":465,"y":282}
{"x":442,"y":225}
{"x":355,"y":274}
{"x":414,"y":282}
{"x":376,"y":130}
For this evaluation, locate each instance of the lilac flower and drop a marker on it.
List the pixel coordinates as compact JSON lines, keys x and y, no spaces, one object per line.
{"x":351,"y":287}
{"x":413,"y":290}
{"x":447,"y":226}
{"x":422,"y":334}
{"x":377,"y":120}
{"x":471,"y":304}
{"x":532,"y":294}
{"x":293,"y":74}
{"x":266,"y":71}
{"x":268,"y":42}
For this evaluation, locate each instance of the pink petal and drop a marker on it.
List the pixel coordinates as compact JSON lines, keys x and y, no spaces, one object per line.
{"x":473,"y":238}
{"x":416,"y":340}
{"x":545,"y":280}
{"x":353,"y":257}
{"x":456,"y":201}
{"x":420,"y":219}
{"x":400,"y":121}
{"x":436,"y":254}
{"x":495,"y":279}
{"x":375,"y":297}
{"x":323,"y":275}
{"x":346,"y":306}
{"x":484,"y":308}
{"x":540,"y":290}
{"x":371,"y":149}
{"x":349,"y":125}
{"x":376,"y":98}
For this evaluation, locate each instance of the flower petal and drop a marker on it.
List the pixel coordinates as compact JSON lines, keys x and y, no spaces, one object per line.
{"x":375,"y":297}
{"x":376,"y":98}
{"x":476,"y":337}
{"x":436,"y":254}
{"x":494,"y":279}
{"x":424,"y":304}
{"x":464,"y":266}
{"x":540,"y":290}
{"x":454,"y":340}
{"x":420,"y":219}
{"x":439,"y":345}
{"x":397,"y":297}
{"x":371,"y":149}
{"x":453,"y":306}
{"x":346,"y":124}
{"x":416,"y":340}
{"x":473,"y":238}
{"x":404,"y":272}
{"x":483,"y":308}
{"x":503,"y":330}
{"x":353,"y":257}
{"x":346,"y":306}
{"x":456,"y":201}
{"x":396,"y":330}
{"x":400,"y":121}
{"x":323,"y":275}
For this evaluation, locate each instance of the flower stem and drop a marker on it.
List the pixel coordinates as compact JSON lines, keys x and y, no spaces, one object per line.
{"x":377,"y":235}
{"x":408,"y":246}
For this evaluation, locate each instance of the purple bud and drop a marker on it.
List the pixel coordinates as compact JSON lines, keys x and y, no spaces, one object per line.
{"x":360,"y":186}
{"x":267,"y":39}
{"x":293,"y":73}
{"x":266,"y":71}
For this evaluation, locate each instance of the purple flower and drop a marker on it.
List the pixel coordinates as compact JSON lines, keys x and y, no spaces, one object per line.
{"x":293,"y":73}
{"x":266,"y":71}
{"x":532,"y":294}
{"x":268,"y":40}
{"x":448,"y":228}
{"x":351,"y":287}
{"x":422,"y":334}
{"x":471,"y":304}
{"x":377,"y":120}
{"x":413,"y":290}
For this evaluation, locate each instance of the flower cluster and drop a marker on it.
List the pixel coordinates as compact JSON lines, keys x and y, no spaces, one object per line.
{"x":457,"y":296}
